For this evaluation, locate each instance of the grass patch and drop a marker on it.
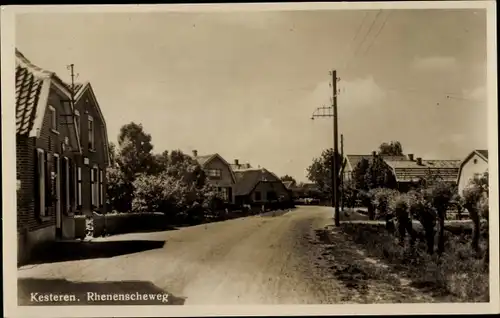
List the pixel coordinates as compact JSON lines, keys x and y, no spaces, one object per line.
{"x":459,"y":275}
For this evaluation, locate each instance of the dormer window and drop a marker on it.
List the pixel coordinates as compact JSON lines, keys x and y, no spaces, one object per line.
{"x":91,"y":132}
{"x":53,"y":118}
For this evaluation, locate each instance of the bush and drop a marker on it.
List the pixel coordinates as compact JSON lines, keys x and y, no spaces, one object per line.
{"x":380,"y":200}
{"x":421,"y":210}
{"x":399,"y":207}
{"x":456,"y":275}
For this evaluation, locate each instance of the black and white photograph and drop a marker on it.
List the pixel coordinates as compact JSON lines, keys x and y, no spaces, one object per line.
{"x":248,"y":155}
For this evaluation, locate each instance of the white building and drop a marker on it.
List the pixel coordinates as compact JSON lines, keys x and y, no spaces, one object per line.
{"x":475,"y":163}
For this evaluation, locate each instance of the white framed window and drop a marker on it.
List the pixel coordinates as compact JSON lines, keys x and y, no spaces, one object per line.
{"x":53,"y":117}
{"x":214,"y":173}
{"x":101,"y":188}
{"x":79,"y":186}
{"x":41,"y":174}
{"x":66,"y":182}
{"x":91,"y":132}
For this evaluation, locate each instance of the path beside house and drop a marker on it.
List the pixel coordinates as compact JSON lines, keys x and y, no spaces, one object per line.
{"x":280,"y":259}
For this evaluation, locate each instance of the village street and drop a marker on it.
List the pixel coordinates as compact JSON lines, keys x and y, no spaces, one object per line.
{"x":269,"y":259}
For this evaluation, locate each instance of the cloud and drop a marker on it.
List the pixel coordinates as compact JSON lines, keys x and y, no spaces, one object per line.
{"x":435,"y":63}
{"x":358,"y":93}
{"x":478,"y":93}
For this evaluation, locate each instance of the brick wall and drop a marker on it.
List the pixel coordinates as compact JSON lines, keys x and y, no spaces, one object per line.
{"x":86,"y":107}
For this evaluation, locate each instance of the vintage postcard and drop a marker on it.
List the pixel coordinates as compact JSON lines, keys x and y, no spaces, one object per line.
{"x":250,"y":159}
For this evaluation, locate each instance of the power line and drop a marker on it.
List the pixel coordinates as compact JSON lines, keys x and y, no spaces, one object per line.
{"x":364,"y":38}
{"x":354,"y":39}
{"x":378,"y":33}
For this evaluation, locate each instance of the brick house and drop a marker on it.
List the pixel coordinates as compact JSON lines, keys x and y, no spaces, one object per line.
{"x":94,"y":158}
{"x":219,"y":174}
{"x":48,"y":158}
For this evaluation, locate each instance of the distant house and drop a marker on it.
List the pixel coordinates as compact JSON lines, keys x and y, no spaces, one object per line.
{"x":411,"y":171}
{"x":474,"y":164}
{"x":352,"y":161}
{"x":51,"y":159}
{"x":255,"y":186}
{"x":219,"y":174}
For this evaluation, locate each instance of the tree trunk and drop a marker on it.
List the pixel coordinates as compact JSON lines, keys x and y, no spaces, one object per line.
{"x":429,"y":237}
{"x":371,"y":212}
{"x":402,"y":227}
{"x":441,"y":234}
{"x":475,"y":235}
{"x":409,"y":229}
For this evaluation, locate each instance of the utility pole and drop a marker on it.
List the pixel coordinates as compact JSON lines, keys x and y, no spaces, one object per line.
{"x":342,"y":172}
{"x":332,"y":112}
{"x":72,"y":90}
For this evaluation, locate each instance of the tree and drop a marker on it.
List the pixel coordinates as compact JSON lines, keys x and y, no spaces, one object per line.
{"x":394,"y":148}
{"x":131,"y":158}
{"x":288,"y":178}
{"x":320,"y":172}
{"x":439,"y":195}
{"x":399,"y":207}
{"x":475,"y":200}
{"x":373,"y":173}
{"x":421,"y":210}
{"x":134,"y":151}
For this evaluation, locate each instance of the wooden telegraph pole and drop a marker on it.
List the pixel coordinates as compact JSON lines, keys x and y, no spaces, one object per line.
{"x":332,"y":112}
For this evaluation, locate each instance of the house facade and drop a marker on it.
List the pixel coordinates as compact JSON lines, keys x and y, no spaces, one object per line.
{"x":94,"y":158}
{"x":219,"y":174}
{"x":476,"y":163}
{"x":259,"y":186}
{"x":48,"y":158}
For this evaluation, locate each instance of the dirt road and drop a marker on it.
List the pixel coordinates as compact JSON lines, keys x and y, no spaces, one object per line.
{"x":268,"y":259}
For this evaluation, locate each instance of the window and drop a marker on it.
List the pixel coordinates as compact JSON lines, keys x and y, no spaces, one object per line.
{"x":101,"y":188}
{"x":475,"y":161}
{"x":53,"y":118}
{"x":92,"y":187}
{"x":79,"y":187}
{"x":225,"y":193}
{"x":66,"y":185}
{"x":91,"y":132}
{"x":41,"y":169}
{"x":257,"y":196}
{"x":271,"y":196}
{"x":214,"y":173}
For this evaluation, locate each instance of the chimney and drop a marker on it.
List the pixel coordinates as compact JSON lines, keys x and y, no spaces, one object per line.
{"x":410,"y":157}
{"x":236,"y":162}
{"x":374,"y":153}
{"x":419,"y":161}
{"x":195,"y":153}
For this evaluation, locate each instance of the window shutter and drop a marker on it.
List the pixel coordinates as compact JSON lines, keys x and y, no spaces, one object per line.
{"x":48,"y":183}
{"x":41,"y":182}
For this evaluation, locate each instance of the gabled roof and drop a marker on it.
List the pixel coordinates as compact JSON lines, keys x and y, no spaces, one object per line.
{"x":32,"y":92}
{"x":480,"y":153}
{"x":288,"y":184}
{"x":79,"y":91}
{"x":247,"y":180}
{"x":408,"y":170}
{"x":205,"y":160}
{"x":353,"y":160}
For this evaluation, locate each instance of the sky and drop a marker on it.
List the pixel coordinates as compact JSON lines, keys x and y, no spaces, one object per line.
{"x":245,"y":84}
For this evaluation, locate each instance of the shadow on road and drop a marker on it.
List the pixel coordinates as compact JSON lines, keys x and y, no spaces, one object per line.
{"x":31,"y":290}
{"x":78,"y":250}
